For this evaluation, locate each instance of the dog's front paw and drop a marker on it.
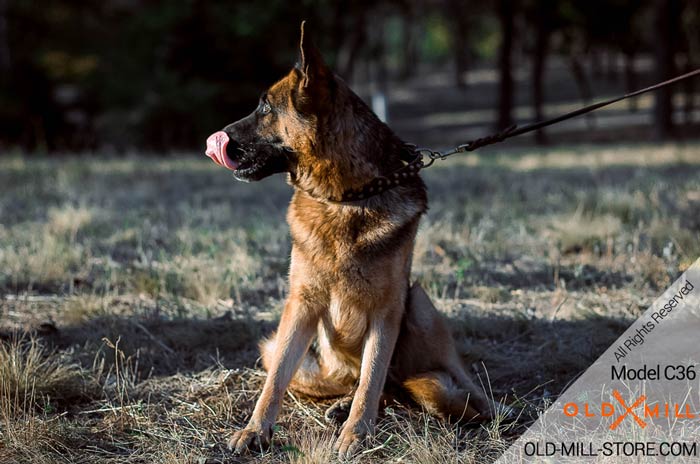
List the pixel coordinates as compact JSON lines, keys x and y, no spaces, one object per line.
{"x":350,"y":438}
{"x":251,"y":437}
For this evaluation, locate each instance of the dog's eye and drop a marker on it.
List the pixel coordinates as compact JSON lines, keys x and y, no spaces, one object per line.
{"x":265,"y":107}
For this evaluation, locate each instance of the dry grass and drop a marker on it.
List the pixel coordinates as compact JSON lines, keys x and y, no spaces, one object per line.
{"x":34,"y":384}
{"x":31,"y":378}
{"x":134,"y":292}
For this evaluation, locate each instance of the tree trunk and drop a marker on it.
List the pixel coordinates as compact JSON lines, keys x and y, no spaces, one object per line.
{"x":460,"y":27}
{"x":538,"y":64}
{"x":409,"y":41}
{"x":584,"y":86}
{"x":611,"y":65}
{"x":505,"y":99}
{"x":630,"y":79}
{"x":346,"y":62}
{"x":689,"y":91}
{"x":4,"y":43}
{"x":339,"y":32}
{"x":379,"y":81}
{"x":665,"y":24}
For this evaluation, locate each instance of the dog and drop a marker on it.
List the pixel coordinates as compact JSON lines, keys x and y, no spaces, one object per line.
{"x":353,"y":326}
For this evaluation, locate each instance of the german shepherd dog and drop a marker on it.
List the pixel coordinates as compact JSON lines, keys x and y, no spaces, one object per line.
{"x":349,"y":292}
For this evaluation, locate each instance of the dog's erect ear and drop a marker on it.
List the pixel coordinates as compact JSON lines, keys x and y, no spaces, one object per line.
{"x":311,"y":62}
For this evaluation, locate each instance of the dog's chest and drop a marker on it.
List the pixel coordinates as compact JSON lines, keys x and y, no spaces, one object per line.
{"x":336,"y":236}
{"x":344,"y":327}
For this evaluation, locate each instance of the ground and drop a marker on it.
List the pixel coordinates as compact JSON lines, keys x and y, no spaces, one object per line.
{"x":134,"y":291}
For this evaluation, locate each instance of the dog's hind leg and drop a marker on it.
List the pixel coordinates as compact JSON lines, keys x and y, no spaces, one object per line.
{"x":339,"y":411}
{"x":309,"y":379}
{"x":428,"y":366}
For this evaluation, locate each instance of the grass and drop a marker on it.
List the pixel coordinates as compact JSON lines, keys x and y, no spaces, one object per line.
{"x":134,"y":291}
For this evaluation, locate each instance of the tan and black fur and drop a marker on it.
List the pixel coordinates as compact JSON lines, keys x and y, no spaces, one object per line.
{"x":350,"y":265}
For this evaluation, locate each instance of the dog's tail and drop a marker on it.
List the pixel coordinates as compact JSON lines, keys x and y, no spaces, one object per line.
{"x":441,"y":396}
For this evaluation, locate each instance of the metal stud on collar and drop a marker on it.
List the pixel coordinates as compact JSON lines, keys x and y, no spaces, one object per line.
{"x":414,"y":163}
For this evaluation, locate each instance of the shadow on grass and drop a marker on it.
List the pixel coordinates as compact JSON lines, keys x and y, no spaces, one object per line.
{"x":529,"y":275}
{"x":534,"y":357}
{"x":526,"y":358}
{"x":159,"y":347}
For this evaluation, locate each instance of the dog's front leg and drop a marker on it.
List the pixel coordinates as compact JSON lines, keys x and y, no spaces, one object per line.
{"x":293,"y":338}
{"x":376,"y":356}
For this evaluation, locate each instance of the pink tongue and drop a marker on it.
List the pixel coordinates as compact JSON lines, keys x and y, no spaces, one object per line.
{"x":216,"y":150}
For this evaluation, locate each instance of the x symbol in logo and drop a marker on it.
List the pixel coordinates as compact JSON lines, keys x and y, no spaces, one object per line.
{"x":629,"y":410}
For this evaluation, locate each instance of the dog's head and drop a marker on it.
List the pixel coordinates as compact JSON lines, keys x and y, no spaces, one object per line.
{"x":283,"y":127}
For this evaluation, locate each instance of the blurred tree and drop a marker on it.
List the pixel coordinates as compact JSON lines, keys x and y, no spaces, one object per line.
{"x":355,"y":35}
{"x":543,"y":17}
{"x":666,"y":25}
{"x":125,"y":74}
{"x":29,"y":114}
{"x":631,"y":42}
{"x":604,"y":32}
{"x":155,"y":75}
{"x":691,"y":48}
{"x":574,"y":45}
{"x":458,"y":13}
{"x":4,"y":46}
{"x":505,"y":11}
{"x":409,"y":37}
